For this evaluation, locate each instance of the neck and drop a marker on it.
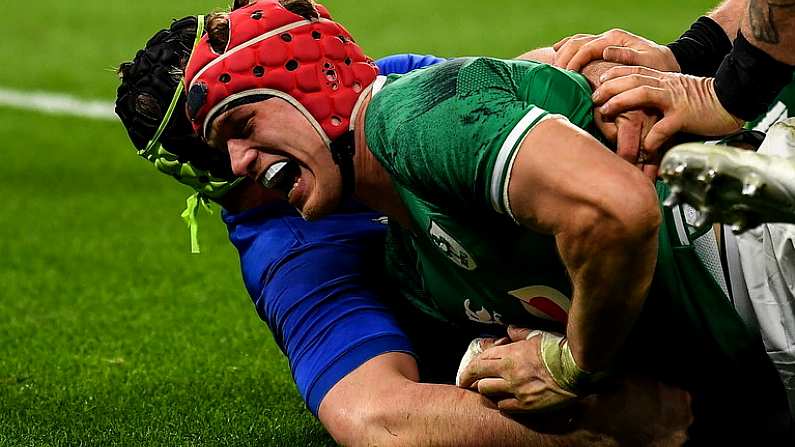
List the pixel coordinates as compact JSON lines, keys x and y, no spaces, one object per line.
{"x":373,"y":186}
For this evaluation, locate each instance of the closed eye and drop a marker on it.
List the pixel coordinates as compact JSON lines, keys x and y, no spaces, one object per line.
{"x":235,"y":124}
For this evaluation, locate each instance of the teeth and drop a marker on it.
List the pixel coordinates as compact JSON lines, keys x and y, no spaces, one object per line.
{"x":274,"y":173}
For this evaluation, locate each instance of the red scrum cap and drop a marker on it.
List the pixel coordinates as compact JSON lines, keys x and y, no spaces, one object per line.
{"x":314,"y":65}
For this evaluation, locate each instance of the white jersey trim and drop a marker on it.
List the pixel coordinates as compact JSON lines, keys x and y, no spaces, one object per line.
{"x":501,"y":174}
{"x":378,"y":84}
{"x":679,"y":223}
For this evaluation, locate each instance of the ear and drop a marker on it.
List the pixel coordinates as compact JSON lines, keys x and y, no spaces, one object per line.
{"x":304,"y":8}
{"x":124,"y":69}
{"x":146,"y":106}
{"x":240,"y":3}
{"x":218,"y":32}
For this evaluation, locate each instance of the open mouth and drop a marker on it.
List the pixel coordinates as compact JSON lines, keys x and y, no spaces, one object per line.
{"x":281,"y":176}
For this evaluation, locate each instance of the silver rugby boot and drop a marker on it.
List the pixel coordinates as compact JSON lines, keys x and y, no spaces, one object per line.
{"x":734,"y":186}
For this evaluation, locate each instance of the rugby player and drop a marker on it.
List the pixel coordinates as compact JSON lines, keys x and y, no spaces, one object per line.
{"x":491,"y":183}
{"x":314,"y":285}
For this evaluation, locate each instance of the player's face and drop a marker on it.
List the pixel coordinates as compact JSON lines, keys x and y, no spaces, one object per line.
{"x":273,"y":144}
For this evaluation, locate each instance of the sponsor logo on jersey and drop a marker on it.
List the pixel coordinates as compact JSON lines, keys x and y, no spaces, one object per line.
{"x":482,"y":316}
{"x":383,"y":220}
{"x":450,"y":247}
{"x":544,"y":302}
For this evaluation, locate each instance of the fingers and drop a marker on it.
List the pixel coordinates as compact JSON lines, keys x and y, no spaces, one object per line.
{"x":565,"y":40}
{"x":510,"y":405}
{"x":568,"y":50}
{"x":629,"y":137}
{"x":493,"y":387}
{"x":502,"y":341}
{"x":486,"y":343}
{"x":516,"y":333}
{"x":662,"y":132}
{"x":576,"y":52}
{"x":613,"y":87}
{"x":634,"y":98}
{"x":560,"y":43}
{"x":624,"y":56}
{"x":650,"y":170}
{"x":589,"y":51}
{"x":479,"y":368}
{"x":594,"y":49}
{"x":626,"y":70}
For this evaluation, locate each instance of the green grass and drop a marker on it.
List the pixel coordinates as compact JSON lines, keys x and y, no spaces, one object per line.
{"x":110,"y":332}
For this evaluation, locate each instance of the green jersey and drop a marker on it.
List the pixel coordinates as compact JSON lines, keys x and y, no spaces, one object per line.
{"x":449,"y":145}
{"x":782,"y":108}
{"x":448,"y":135}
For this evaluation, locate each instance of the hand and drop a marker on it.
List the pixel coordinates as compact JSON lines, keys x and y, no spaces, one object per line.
{"x":514,"y":375}
{"x":617,"y":46}
{"x":687,"y":103}
{"x":627,"y":131}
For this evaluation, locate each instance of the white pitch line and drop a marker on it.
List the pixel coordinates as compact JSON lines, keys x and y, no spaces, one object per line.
{"x":57,"y":104}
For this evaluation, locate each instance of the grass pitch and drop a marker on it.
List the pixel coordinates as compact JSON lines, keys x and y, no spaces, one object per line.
{"x":111,"y":333}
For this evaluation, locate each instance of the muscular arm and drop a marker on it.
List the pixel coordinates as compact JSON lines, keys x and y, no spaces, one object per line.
{"x":397,"y":410}
{"x":604,"y":219}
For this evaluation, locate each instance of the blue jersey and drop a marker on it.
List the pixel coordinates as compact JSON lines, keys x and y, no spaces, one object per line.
{"x":314,"y":283}
{"x":404,"y":63}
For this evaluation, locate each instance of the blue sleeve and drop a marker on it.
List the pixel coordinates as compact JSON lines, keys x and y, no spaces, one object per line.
{"x":319,"y":299}
{"x":316,"y":286}
{"x":404,"y":63}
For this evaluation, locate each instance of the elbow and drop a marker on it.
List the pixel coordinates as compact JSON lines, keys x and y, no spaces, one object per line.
{"x":627,"y":213}
{"x":637,"y":217}
{"x":366,"y":426}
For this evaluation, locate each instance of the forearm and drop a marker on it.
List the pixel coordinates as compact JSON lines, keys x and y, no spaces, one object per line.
{"x":611,"y":277}
{"x":611,"y":281}
{"x":381,"y":403}
{"x":770,"y":26}
{"x":431,"y":414}
{"x":604,"y":216}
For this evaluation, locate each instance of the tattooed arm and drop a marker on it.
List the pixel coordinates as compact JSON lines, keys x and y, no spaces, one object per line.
{"x":770,"y":26}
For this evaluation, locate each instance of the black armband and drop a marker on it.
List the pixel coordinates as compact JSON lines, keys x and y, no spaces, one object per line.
{"x":749,"y":80}
{"x":701,"y":49}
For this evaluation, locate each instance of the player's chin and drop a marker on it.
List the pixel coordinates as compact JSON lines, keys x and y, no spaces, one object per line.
{"x":323,"y":196}
{"x":318,"y":207}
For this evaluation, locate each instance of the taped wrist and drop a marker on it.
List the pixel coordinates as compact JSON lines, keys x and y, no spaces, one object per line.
{"x":701,"y":49}
{"x":749,"y":80}
{"x":559,"y":361}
